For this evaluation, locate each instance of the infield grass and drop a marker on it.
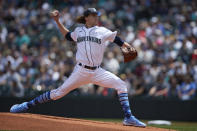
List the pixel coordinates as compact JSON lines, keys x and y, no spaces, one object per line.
{"x":176,"y":125}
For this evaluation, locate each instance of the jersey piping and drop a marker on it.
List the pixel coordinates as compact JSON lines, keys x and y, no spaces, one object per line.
{"x":85,"y":46}
{"x":90,"y":47}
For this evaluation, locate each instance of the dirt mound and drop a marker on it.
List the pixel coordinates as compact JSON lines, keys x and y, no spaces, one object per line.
{"x":35,"y":122}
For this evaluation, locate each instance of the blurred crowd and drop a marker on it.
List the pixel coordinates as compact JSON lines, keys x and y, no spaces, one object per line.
{"x":35,"y":57}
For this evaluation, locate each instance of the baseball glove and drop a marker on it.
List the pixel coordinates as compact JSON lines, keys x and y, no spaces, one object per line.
{"x":129,"y":53}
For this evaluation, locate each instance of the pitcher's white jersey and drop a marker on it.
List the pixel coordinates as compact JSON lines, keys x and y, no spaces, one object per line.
{"x":91,"y":43}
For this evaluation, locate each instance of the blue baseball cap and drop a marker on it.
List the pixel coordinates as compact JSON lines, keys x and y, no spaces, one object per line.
{"x":91,"y":11}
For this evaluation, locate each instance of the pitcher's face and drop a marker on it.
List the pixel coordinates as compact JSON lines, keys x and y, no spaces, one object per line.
{"x":92,"y":19}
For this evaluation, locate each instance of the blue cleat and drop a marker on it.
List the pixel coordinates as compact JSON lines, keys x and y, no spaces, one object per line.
{"x":19,"y":108}
{"x":132,"y":121}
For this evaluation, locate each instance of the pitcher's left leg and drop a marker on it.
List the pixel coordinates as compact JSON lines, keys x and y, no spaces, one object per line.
{"x":107,"y":79}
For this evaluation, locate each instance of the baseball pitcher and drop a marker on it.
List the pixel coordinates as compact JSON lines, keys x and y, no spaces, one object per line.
{"x":91,"y":41}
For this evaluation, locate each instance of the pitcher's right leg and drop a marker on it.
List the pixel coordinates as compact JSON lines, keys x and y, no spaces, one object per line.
{"x":76,"y":79}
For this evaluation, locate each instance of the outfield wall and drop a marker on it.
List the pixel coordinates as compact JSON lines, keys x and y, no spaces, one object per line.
{"x":106,"y":107}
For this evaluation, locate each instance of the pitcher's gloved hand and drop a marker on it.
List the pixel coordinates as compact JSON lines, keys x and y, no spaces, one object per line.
{"x":129,"y":53}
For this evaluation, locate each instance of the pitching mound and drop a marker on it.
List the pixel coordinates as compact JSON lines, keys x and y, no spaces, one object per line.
{"x":35,"y":122}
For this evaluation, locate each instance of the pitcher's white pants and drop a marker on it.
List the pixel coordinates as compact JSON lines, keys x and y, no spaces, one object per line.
{"x":81,"y":76}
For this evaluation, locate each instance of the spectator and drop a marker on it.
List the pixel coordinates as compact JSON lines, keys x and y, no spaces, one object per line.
{"x":160,"y":88}
{"x":111,"y":63}
{"x":17,"y":89}
{"x":22,"y":39}
{"x":173,"y":85}
{"x":187,"y":89}
{"x":163,"y":32}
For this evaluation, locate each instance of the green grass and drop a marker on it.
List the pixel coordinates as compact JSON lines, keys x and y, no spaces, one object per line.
{"x":179,"y":126}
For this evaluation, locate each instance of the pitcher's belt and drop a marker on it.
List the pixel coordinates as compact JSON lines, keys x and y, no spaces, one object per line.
{"x":89,"y":67}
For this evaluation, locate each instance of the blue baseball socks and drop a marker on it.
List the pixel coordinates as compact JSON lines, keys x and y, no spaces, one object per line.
{"x":124,"y":101}
{"x":129,"y":119}
{"x":40,"y":99}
